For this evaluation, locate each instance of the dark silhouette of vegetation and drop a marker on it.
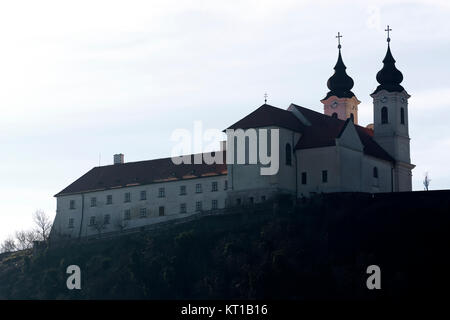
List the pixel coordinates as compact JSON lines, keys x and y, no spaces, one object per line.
{"x":318,"y":249}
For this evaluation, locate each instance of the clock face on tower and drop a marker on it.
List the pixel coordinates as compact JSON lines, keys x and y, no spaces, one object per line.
{"x":334,"y":104}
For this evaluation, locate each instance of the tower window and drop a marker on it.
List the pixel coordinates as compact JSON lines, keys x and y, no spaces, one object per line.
{"x":384,"y":115}
{"x":303,"y":177}
{"x":375,"y":172}
{"x":288,"y":154}
{"x":352,"y":117}
{"x":334,"y":115}
{"x":324,"y":176}
{"x":402,"y":115}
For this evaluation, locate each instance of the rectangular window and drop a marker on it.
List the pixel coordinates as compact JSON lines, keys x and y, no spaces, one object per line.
{"x":225,"y":185}
{"x":183,"y":208}
{"x":198,"y":188}
{"x":106,"y":219}
{"x":214,"y":204}
{"x":93,"y":202}
{"x":198,"y":206}
{"x":161,"y":211}
{"x":72,"y":204}
{"x":127,"y":214}
{"x":214,"y":187}
{"x":182,"y":190}
{"x":71,"y":223}
{"x":143,"y":195}
{"x":161,"y":193}
{"x":143,"y":212}
{"x":92,"y":221}
{"x":324,"y":176}
{"x":109,"y":199}
{"x":303,"y":177}
{"x":127,"y":197}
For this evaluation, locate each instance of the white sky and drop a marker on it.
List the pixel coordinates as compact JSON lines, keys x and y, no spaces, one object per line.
{"x":83,"y":78}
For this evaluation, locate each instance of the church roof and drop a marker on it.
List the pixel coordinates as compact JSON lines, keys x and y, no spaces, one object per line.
{"x":267,"y":115}
{"x":324,"y":130}
{"x":389,"y":77}
{"x":141,"y":173}
{"x":340,"y":83}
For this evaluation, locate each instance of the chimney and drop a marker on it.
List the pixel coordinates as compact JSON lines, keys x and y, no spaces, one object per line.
{"x":118,"y":158}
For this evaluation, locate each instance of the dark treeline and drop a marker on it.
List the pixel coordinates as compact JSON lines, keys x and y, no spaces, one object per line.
{"x":319,"y":249}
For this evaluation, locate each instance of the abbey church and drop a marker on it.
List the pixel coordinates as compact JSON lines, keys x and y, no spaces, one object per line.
{"x":318,"y":153}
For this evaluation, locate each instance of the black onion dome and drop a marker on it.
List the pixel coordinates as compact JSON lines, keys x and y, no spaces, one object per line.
{"x":340,"y":84}
{"x":389,"y":77}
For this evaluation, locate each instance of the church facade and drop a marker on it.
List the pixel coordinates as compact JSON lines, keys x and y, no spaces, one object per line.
{"x":318,"y":153}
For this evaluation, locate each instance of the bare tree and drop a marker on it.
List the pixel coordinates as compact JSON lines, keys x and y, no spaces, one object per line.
{"x":426,"y":181}
{"x":43,"y":223}
{"x":120,"y":223}
{"x":9,"y":245}
{"x":99,"y":223}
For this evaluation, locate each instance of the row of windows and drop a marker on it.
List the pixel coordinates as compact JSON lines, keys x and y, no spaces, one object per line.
{"x":251,"y":200}
{"x":143,"y":212}
{"x":161,"y":194}
{"x":325,"y":175}
{"x":385,"y":115}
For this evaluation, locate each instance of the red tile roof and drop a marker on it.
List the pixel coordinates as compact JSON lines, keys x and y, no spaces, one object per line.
{"x":141,"y":173}
{"x":325,"y":129}
{"x":322,"y":132}
{"x":267,"y":115}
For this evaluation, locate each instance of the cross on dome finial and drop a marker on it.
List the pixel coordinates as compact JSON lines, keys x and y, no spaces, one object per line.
{"x":387,"y":30}
{"x":339,"y":36}
{"x":265,"y":97}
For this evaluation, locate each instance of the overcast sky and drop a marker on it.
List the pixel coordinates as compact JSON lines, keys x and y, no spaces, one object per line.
{"x":81,"y":79}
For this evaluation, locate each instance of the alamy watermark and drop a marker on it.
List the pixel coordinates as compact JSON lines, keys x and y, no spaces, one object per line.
{"x":250,"y":146}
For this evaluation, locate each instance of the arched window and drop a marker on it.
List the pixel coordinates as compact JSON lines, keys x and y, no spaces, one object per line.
{"x":384,"y":115}
{"x":352,"y":117}
{"x":334,"y":115}
{"x":402,"y":115}
{"x":288,"y":154}
{"x":375,"y":172}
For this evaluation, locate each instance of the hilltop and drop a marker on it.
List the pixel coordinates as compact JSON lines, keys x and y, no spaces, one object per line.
{"x":318,"y":249}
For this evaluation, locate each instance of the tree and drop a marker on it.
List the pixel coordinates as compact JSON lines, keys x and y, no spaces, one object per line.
{"x":25,"y":239}
{"x":426,"y":181}
{"x":9,"y":245}
{"x":120,"y":223}
{"x":99,"y":224}
{"x":43,"y":223}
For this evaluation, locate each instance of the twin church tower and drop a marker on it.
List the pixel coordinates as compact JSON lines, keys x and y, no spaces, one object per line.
{"x":390,"y":111}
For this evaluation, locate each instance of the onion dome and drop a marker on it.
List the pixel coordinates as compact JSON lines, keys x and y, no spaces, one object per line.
{"x":389,"y":77}
{"x":340,"y":84}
